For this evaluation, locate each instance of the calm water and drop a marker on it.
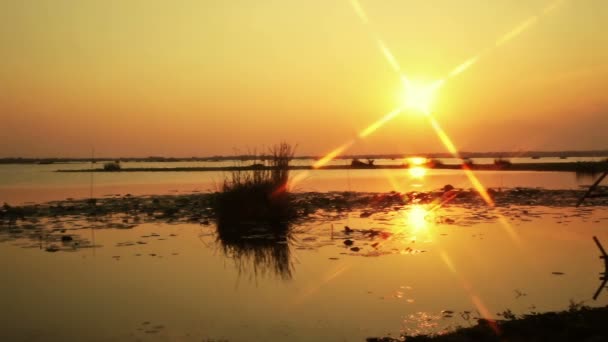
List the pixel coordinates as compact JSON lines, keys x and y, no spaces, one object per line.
{"x":412,"y":271}
{"x":39,"y":183}
{"x":180,"y":285}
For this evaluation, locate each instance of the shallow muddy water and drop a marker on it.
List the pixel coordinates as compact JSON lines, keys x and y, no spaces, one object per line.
{"x":408,"y":270}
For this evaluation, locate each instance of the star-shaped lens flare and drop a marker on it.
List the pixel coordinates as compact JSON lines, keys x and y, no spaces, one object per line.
{"x":419,"y":97}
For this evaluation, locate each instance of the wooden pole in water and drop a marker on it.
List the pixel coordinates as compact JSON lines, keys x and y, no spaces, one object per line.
{"x":597,"y":182}
{"x":93,"y":204}
{"x":599,"y":245}
{"x":604,"y":277}
{"x":91,"y":187}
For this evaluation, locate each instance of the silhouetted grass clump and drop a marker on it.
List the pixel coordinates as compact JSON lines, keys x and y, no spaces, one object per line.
{"x":259,"y":194}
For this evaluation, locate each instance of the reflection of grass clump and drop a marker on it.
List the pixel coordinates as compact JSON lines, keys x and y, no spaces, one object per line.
{"x":260,"y":193}
{"x":261,"y":250}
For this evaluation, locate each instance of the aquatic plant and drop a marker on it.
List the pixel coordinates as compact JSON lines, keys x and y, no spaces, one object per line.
{"x":253,"y":211}
{"x":260,"y":193}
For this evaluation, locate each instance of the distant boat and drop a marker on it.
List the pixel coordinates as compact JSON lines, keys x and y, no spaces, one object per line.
{"x":535,"y":157}
{"x":563,"y":157}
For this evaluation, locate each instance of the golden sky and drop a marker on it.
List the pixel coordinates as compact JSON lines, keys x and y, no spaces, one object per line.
{"x":202,"y":77}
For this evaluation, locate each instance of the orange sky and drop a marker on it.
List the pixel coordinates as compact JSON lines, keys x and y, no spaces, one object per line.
{"x":196,"y":78}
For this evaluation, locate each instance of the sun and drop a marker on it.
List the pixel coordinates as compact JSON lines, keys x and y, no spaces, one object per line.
{"x":418,"y":96}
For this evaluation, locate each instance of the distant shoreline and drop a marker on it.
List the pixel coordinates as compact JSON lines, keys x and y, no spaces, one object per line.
{"x":464,"y":155}
{"x":583,"y":167}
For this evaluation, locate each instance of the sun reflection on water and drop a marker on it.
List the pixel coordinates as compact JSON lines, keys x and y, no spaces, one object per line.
{"x":417,"y":218}
{"x":417,"y":172}
{"x":417,"y":161}
{"x":417,"y":169}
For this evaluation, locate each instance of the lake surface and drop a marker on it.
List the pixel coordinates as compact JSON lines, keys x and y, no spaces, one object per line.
{"x":407,"y":269}
{"x":422,"y":274}
{"x":20,"y":183}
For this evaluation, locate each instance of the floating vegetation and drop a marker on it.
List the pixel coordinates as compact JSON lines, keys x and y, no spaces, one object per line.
{"x":58,"y":222}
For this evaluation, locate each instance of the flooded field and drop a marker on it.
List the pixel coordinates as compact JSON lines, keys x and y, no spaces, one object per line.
{"x":358,"y":265}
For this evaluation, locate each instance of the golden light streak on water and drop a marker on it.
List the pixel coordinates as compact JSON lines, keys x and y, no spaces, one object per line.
{"x":373,"y":127}
{"x":464,"y":66}
{"x":519,"y":29}
{"x":332,"y":155}
{"x":483,"y":192}
{"x":483,"y":310}
{"x":447,"y":142}
{"x":359,"y":10}
{"x":477,"y":185}
{"x":293,"y":181}
{"x":509,"y":229}
{"x":395,"y":185}
{"x":448,"y":262}
{"x":475,"y":299}
{"x":315,"y":288}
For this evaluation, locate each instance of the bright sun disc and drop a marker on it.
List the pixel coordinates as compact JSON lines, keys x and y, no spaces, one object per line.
{"x":418,"y":96}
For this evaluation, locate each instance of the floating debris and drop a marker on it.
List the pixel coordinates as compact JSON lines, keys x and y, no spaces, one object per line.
{"x":52,"y":248}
